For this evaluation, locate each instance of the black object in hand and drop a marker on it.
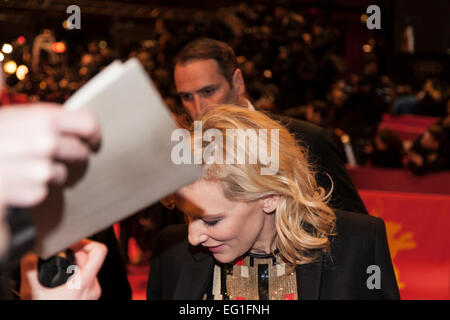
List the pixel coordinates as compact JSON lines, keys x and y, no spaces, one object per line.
{"x":22,"y":235}
{"x":53,"y":271}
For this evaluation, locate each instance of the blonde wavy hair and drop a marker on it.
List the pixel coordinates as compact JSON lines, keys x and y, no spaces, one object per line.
{"x":303,"y":220}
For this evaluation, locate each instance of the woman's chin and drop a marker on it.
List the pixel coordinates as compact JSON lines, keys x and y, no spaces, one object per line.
{"x":227,"y":258}
{"x":223,"y":258}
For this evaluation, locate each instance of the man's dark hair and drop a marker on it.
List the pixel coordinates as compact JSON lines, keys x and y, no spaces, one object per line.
{"x":204,"y":49}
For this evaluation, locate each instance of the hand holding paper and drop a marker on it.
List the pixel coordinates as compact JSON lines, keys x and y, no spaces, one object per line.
{"x":35,"y":138}
{"x":132,"y":169}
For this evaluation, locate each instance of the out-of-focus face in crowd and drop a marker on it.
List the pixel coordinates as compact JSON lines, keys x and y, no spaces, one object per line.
{"x":428,"y":142}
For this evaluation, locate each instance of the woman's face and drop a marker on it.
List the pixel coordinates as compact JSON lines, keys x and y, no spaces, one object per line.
{"x":227,"y":228}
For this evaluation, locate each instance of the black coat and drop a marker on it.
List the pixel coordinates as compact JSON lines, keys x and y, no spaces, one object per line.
{"x":112,"y":276}
{"x":327,"y":158}
{"x":182,"y":272}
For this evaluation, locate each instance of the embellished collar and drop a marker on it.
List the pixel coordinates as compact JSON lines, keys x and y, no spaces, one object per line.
{"x":263,"y":255}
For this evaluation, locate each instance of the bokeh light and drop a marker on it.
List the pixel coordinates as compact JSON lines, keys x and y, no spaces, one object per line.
{"x":10,"y":67}
{"x":364,"y":18}
{"x":7,"y":48}
{"x":58,"y":47}
{"x":21,"y":40}
{"x":268,"y":74}
{"x":367,"y":48}
{"x":21,"y":72}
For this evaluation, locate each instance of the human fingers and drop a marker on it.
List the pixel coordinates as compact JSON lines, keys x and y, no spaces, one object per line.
{"x":36,"y":131}
{"x":80,"y":123}
{"x":59,"y":173}
{"x":95,"y":255}
{"x":27,"y":180}
{"x":71,"y":148}
{"x":27,"y":140}
{"x":94,"y":291}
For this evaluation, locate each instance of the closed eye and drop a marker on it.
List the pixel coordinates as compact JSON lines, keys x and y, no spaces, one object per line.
{"x":211,"y":223}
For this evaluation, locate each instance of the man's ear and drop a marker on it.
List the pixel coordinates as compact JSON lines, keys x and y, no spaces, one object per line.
{"x":238,"y":82}
{"x":270,"y":203}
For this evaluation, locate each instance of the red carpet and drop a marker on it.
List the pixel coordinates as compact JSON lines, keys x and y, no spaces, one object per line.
{"x":137,"y":273}
{"x":417,"y":232}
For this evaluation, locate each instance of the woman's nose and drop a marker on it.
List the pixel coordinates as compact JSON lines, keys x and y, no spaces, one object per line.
{"x":196,"y":233}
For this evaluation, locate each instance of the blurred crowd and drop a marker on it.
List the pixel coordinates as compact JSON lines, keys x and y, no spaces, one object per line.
{"x":291,"y":66}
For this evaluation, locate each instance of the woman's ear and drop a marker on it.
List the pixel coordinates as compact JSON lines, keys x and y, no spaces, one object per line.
{"x":270,"y":203}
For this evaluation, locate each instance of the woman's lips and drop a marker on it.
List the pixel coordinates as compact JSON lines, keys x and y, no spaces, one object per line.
{"x":216,"y":249}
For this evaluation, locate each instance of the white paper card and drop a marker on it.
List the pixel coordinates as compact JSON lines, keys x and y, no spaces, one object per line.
{"x":132,"y":170}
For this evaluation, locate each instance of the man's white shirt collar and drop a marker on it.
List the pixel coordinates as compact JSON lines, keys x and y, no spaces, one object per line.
{"x":250,"y":106}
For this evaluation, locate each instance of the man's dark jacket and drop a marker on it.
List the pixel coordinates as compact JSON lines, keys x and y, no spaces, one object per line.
{"x":182,"y":272}
{"x":327,"y":158}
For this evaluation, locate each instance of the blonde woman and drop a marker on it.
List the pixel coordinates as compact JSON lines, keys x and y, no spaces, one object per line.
{"x":266,"y":236}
